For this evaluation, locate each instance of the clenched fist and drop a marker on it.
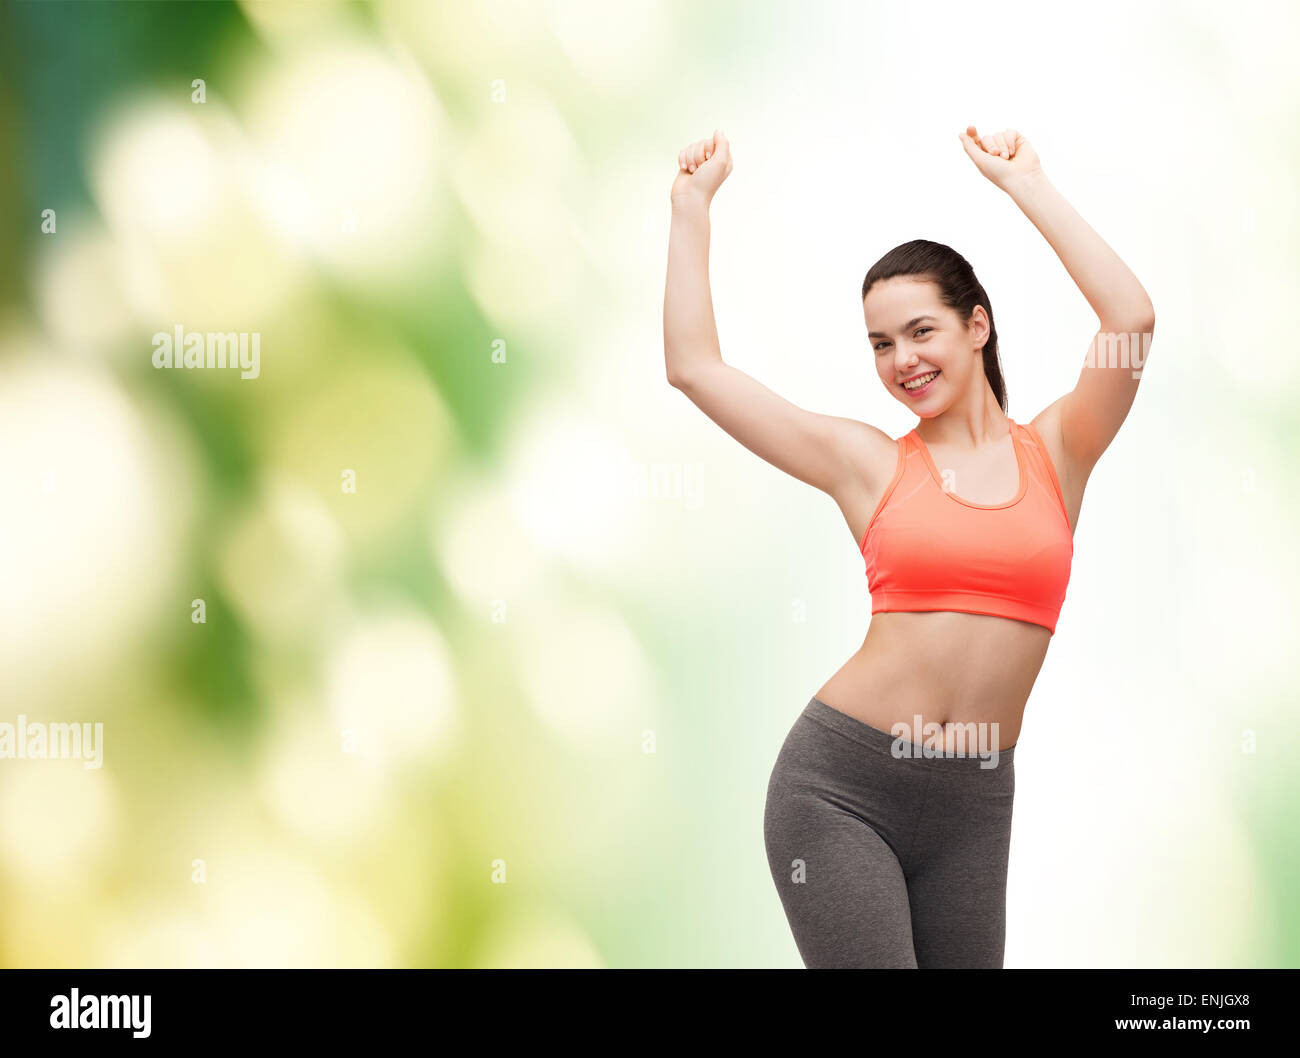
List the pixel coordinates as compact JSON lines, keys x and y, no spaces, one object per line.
{"x":1003,"y":156}
{"x":701,"y":168}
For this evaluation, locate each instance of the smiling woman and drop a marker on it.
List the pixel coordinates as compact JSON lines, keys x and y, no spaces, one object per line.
{"x":888,"y":813}
{"x":947,"y":279}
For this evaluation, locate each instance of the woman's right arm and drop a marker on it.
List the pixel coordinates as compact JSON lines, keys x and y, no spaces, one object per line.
{"x":824,"y":451}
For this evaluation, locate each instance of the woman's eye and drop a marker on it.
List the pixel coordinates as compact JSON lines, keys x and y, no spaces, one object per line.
{"x":919,"y":330}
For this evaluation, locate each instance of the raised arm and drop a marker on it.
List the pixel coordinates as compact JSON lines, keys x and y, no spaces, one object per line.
{"x":1084,"y":421}
{"x":822,"y":450}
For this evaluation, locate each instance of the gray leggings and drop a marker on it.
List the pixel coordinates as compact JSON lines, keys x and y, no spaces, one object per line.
{"x":885,"y":861}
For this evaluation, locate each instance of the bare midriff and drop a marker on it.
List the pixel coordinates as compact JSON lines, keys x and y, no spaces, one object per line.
{"x":946,"y":668}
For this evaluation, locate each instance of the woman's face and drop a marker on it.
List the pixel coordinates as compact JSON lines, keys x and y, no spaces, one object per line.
{"x":914,"y":335}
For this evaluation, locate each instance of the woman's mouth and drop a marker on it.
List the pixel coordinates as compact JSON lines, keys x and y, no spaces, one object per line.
{"x":920,"y":384}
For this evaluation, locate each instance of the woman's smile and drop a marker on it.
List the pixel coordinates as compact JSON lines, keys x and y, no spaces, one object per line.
{"x":920,"y":384}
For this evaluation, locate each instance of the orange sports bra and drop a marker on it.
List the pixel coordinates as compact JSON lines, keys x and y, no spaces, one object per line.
{"x":928,"y":549}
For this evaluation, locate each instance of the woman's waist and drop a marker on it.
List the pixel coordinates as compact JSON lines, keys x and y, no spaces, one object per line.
{"x":935,"y":686}
{"x":907,"y":713}
{"x":973,"y":744}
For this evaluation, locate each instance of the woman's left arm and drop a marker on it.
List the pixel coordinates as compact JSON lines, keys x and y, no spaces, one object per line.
{"x":1087,"y":418}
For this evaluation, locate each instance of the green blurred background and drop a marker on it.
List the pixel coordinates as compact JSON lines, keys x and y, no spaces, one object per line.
{"x":500,"y":636}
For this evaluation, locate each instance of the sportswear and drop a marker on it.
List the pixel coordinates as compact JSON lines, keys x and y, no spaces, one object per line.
{"x":886,"y":858}
{"x":926,"y":548}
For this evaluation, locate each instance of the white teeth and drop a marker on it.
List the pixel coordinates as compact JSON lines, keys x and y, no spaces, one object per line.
{"x":920,"y":381}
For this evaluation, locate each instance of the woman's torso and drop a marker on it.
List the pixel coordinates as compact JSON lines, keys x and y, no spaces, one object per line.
{"x":944,"y":667}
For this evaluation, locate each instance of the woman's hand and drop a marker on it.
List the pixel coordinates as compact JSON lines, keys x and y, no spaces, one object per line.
{"x":1004,"y":157}
{"x":701,"y":168}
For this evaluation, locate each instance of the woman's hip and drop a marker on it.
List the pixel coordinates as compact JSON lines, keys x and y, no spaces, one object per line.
{"x":833,"y":759}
